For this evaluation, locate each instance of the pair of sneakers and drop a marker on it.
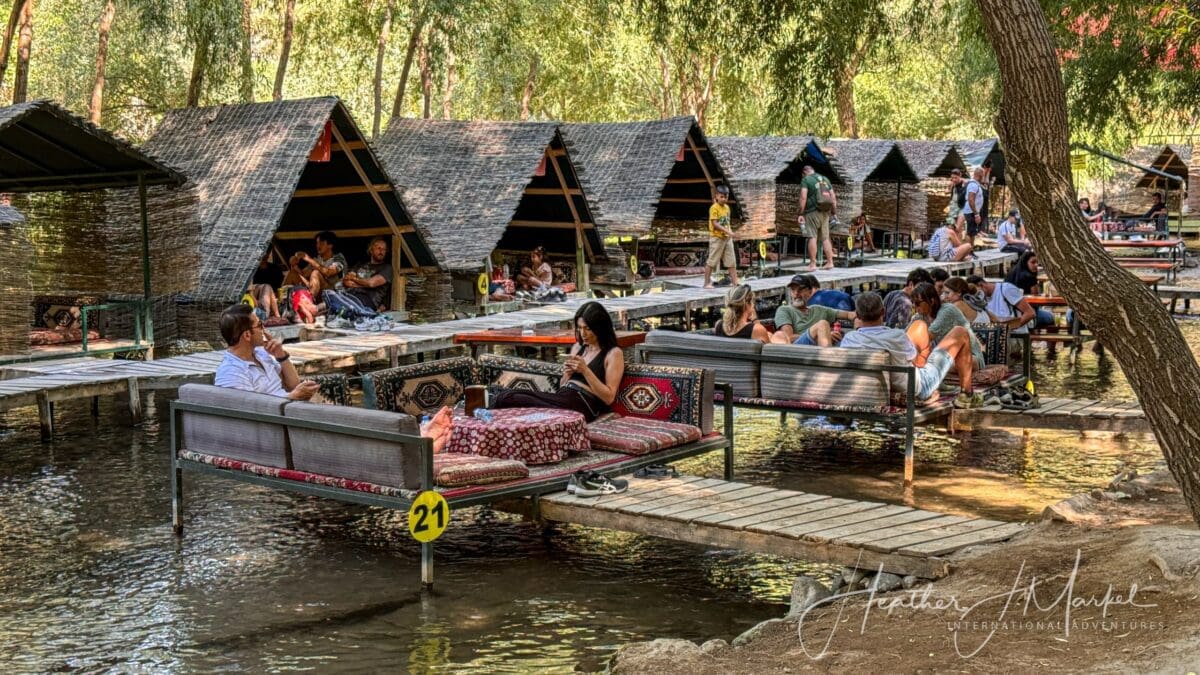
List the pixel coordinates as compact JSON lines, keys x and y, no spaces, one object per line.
{"x":966,"y":401}
{"x":374,"y":323}
{"x":587,"y":483}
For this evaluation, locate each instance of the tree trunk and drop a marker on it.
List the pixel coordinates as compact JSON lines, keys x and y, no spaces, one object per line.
{"x":247,"y":62}
{"x":199,"y":67}
{"x":426,"y":77}
{"x":665,"y":70}
{"x":414,"y":39}
{"x":9,"y":31}
{"x":706,"y":94}
{"x":844,"y":93}
{"x":527,"y":93}
{"x":451,"y":80}
{"x":289,"y":20}
{"x":385,"y":32}
{"x":24,"y":46}
{"x":1125,"y":315}
{"x":97,"y":104}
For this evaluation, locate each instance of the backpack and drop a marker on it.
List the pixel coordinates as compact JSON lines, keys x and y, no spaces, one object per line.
{"x":960,"y":195}
{"x":824,"y":194}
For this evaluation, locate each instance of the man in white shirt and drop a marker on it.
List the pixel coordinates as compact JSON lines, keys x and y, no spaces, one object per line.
{"x":1007,"y":304}
{"x":973,"y":209}
{"x":256,"y":362}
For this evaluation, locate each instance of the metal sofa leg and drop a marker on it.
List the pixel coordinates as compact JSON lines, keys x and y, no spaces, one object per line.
{"x":783,"y":418}
{"x":908,"y":456}
{"x":427,"y":565}
{"x":177,"y":501}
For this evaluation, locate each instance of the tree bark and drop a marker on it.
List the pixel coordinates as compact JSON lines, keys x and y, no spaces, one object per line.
{"x":289,"y":20}
{"x":706,"y":95}
{"x":199,"y":67}
{"x":246,"y":89}
{"x":24,"y":47}
{"x":9,"y":31}
{"x":414,"y":39}
{"x":426,"y":77}
{"x":385,"y":32}
{"x":95,"y":108}
{"x":527,"y":93}
{"x":1125,"y":315}
{"x":451,"y":81}
{"x":665,"y":71}
{"x":843,"y":93}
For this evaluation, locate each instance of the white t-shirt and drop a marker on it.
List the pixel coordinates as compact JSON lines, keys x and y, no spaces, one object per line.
{"x":1007,"y":229}
{"x":263,"y":378}
{"x":1003,"y":302}
{"x":973,"y":188}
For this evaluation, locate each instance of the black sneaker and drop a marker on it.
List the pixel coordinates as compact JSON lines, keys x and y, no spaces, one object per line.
{"x":598,"y":484}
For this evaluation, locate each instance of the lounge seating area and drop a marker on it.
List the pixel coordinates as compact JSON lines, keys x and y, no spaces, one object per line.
{"x":375,"y":455}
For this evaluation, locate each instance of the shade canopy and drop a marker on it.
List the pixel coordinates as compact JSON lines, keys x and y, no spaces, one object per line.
{"x":871,"y":161}
{"x":44,"y":148}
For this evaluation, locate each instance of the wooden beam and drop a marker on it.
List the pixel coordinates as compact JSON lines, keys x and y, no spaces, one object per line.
{"x":580,"y":240}
{"x":556,"y":153}
{"x":387,"y":216}
{"x":548,"y":224}
{"x":690,"y":200}
{"x":343,"y":190}
{"x":555,"y":192}
{"x":683,"y":181}
{"x":348,"y":145}
{"x":703,"y":167}
{"x":354,"y":232}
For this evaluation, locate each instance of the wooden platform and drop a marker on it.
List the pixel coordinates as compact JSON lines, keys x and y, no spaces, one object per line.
{"x":781,"y":522}
{"x":97,"y":347}
{"x":1060,"y":413}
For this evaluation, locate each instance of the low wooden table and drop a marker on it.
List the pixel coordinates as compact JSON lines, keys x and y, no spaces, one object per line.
{"x":548,"y":339}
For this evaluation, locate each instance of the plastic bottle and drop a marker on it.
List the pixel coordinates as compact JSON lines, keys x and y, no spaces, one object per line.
{"x":425,"y":419}
{"x":483,"y":414}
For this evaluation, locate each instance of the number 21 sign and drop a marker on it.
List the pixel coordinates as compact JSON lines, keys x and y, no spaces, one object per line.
{"x":428,"y":516}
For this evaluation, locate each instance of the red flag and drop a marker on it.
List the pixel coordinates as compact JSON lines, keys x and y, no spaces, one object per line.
{"x":541,"y":167}
{"x":321,"y":151}
{"x":679,"y":155}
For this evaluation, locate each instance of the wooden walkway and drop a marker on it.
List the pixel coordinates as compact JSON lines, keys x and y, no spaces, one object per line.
{"x":45,"y":382}
{"x":1060,"y":413}
{"x":787,"y":523}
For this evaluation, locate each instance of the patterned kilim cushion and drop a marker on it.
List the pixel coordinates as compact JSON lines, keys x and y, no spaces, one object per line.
{"x":636,"y":436}
{"x":681,"y":257}
{"x":515,"y":373}
{"x":987,"y":376}
{"x":334,"y":388}
{"x":419,"y":388}
{"x":292,"y":474}
{"x":994,"y":338}
{"x":452,"y":469}
{"x":665,"y":393}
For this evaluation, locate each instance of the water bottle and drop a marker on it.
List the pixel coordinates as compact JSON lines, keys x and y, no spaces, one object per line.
{"x":527,"y":328}
{"x":425,"y":420}
{"x":483,"y":414}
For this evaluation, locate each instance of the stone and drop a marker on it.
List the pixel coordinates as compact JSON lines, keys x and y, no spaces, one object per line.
{"x":886,"y":581}
{"x":910,"y":582}
{"x":851,"y":576}
{"x":662,"y":650}
{"x":1077,"y":509}
{"x":836,"y":582}
{"x":753,"y":633}
{"x":806,"y":592}
{"x":712,"y":646}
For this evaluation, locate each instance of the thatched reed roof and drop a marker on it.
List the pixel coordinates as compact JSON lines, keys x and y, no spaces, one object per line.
{"x":975,"y":152}
{"x":10,"y":216}
{"x":626,"y":168}
{"x":932,"y":159}
{"x":870,"y":160}
{"x":465,"y":182}
{"x":44,"y":147}
{"x":247,"y":163}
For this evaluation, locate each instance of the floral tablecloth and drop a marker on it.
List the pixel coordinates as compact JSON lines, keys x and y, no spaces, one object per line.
{"x":531,"y":435}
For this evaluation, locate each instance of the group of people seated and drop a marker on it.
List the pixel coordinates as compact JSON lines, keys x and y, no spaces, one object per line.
{"x":535,"y":279}
{"x":1105,"y":218}
{"x":324,"y":284}
{"x":927,"y":323}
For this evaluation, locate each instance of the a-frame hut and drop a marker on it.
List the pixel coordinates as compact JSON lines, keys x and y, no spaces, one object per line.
{"x":975,"y":153}
{"x":1173,"y":159}
{"x":92,"y":239}
{"x":268,"y":177}
{"x":765,"y":171}
{"x":875,"y":172}
{"x":933,"y":162}
{"x":650,"y":179}
{"x":475,"y":188}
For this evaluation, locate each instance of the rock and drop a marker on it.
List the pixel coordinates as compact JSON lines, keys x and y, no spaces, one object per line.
{"x":753,"y":633}
{"x":659,"y":652}
{"x":910,"y":582}
{"x":885,"y":581}
{"x":1123,"y":477}
{"x":851,"y":576}
{"x":712,"y":646}
{"x":836,"y":583}
{"x":806,"y":592}
{"x":1076,"y":509}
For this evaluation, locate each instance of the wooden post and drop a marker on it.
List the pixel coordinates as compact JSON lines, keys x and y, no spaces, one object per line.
{"x":45,"y":416}
{"x":149,"y":314}
{"x":398,"y":299}
{"x":582,"y":282}
{"x":135,"y":400}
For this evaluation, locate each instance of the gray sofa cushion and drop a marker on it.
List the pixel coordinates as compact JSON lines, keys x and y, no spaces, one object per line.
{"x":259,"y":442}
{"x":365,"y":459}
{"x":741,"y":373}
{"x":817,"y":378}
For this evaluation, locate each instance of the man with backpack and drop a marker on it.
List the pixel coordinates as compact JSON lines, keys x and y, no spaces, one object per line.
{"x":958,"y":196}
{"x":817,"y":204}
{"x":973,"y":211}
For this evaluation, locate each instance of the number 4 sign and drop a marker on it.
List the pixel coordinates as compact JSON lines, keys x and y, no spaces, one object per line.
{"x":428,"y":516}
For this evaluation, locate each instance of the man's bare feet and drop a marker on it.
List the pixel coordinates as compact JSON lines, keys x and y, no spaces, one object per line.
{"x":708,"y":285}
{"x":828,"y":267}
{"x":439,"y":428}
{"x":811,"y":268}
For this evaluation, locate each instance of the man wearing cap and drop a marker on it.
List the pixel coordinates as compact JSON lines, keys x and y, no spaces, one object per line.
{"x":720,"y":239}
{"x":1010,"y":236}
{"x":817,"y":204}
{"x":800,"y":323}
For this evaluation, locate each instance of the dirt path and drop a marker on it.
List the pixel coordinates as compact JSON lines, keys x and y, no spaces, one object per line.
{"x":1107,"y":625}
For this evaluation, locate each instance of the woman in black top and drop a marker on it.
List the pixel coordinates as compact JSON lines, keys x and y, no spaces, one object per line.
{"x":739,"y":319}
{"x":592,"y":375}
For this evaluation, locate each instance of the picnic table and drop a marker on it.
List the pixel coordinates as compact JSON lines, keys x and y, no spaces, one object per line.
{"x":549,"y":339}
{"x":1151,"y":280}
{"x":1074,"y":333}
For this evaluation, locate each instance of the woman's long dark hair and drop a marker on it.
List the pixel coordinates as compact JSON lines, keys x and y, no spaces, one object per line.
{"x":928,"y":293}
{"x":1021,"y":276}
{"x":600,"y":323}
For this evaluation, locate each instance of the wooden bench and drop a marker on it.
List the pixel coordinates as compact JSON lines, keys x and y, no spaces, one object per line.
{"x":1169,"y":268}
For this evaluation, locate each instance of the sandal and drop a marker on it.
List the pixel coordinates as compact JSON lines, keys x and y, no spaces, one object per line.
{"x":657,"y":472}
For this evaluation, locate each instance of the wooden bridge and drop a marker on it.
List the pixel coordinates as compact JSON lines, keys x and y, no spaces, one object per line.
{"x":755,"y":519}
{"x":1065,"y":414}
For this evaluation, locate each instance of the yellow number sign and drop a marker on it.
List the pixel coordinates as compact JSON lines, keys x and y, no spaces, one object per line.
{"x":633,"y":264}
{"x":762,"y":250}
{"x":481,"y":284}
{"x":428,"y":516}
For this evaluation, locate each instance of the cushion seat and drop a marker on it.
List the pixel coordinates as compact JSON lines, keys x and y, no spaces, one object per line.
{"x":638,"y":435}
{"x":988,"y":376}
{"x":454,"y":469}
